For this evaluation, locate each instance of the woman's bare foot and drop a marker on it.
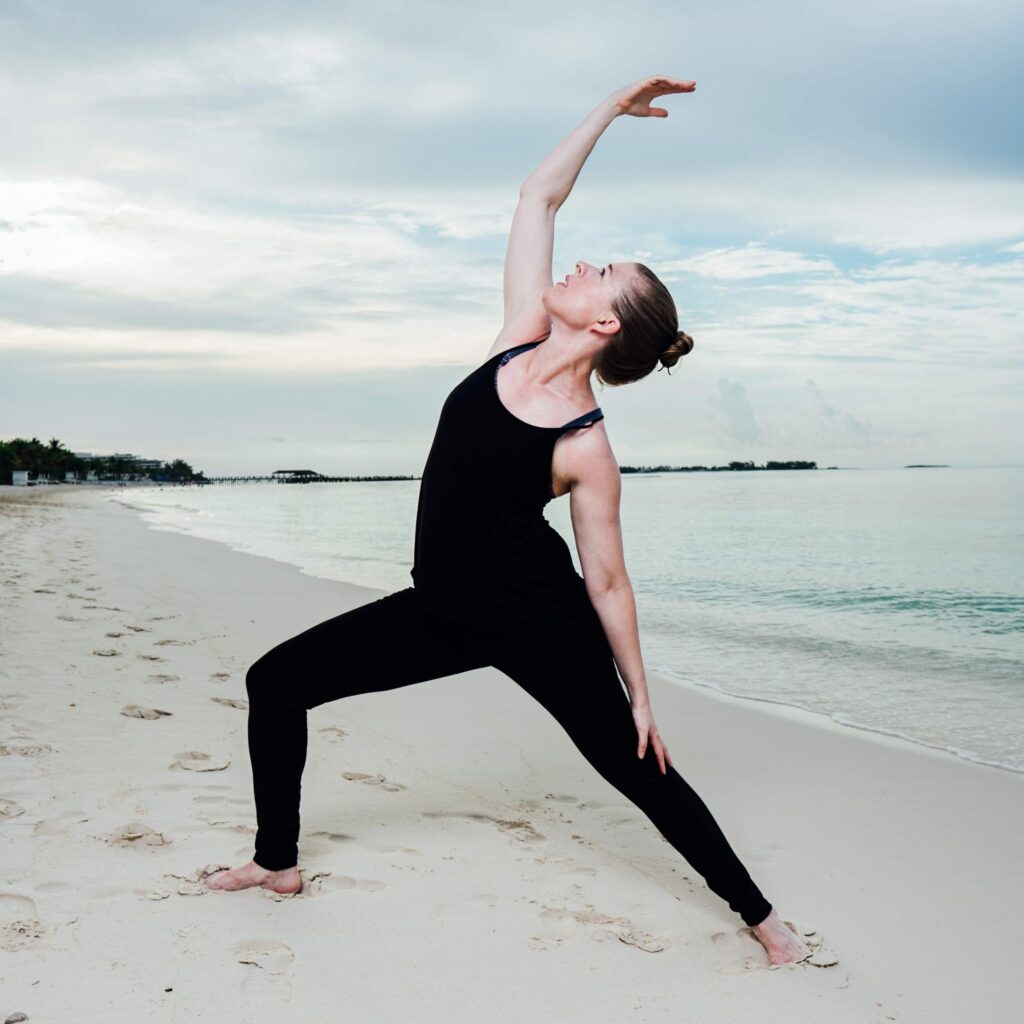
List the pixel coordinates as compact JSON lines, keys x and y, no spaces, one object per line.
{"x":784,"y":946}
{"x":248,"y":875}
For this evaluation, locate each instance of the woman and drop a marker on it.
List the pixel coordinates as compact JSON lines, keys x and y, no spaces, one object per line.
{"x":494,"y":582}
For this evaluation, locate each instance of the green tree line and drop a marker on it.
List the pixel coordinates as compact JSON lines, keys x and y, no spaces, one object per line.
{"x":54,"y":460}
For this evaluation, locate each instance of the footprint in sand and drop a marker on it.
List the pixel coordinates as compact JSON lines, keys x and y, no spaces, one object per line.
{"x":232,"y":826}
{"x":231,"y":702}
{"x":137,"y":629}
{"x":138,"y":711}
{"x":114,"y":636}
{"x":18,"y":746}
{"x":563,"y":923}
{"x":198,"y":761}
{"x":332,"y":733}
{"x":212,"y":798}
{"x":738,"y":951}
{"x":43,"y":590}
{"x":334,"y":837}
{"x":71,"y":618}
{"x":220,"y":675}
{"x":137,"y":834}
{"x":107,"y":652}
{"x":173,"y":643}
{"x":162,"y":677}
{"x":569,"y":865}
{"x":268,"y":976}
{"x":9,"y":809}
{"x":186,"y":885}
{"x":20,"y":926}
{"x":273,"y":960}
{"x":156,"y":618}
{"x":519,"y":829}
{"x":522,"y":830}
{"x":151,"y":657}
{"x":373,"y":780}
{"x":339,"y":882}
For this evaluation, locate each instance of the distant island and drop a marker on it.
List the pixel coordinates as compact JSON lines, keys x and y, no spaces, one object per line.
{"x":30,"y":462}
{"x":732,"y":467}
{"x":928,"y":465}
{"x":311,"y":476}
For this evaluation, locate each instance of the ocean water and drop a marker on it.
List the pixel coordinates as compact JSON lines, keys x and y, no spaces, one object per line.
{"x":890,"y":600}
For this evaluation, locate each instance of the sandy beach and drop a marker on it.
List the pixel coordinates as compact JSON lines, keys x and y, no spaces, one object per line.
{"x":461,"y":861}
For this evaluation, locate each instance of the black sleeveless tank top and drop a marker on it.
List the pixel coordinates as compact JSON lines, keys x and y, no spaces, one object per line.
{"x":484,"y":553}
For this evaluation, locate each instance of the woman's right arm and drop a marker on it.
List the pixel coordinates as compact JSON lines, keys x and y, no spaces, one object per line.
{"x":552,"y":180}
{"x":531,"y":238}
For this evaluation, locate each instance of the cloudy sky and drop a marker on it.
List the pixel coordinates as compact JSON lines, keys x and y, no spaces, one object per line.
{"x":257,"y":235}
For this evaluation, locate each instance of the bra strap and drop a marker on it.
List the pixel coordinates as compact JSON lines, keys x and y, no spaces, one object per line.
{"x":582,"y":421}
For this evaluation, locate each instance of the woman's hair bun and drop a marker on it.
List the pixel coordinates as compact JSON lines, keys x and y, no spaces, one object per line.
{"x":676,"y":351}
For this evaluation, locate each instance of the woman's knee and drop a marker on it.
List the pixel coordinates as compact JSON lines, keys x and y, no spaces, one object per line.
{"x":262,"y":679}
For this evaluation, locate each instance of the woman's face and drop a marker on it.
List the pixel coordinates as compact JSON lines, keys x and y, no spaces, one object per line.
{"x":587,"y":294}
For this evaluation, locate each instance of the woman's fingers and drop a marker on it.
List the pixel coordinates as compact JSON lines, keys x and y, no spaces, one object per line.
{"x":659,"y":749}
{"x":636,"y":99}
{"x":674,"y":84}
{"x":642,"y":749}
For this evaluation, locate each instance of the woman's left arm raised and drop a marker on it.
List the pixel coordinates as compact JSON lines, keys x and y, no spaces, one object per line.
{"x":594,"y":498}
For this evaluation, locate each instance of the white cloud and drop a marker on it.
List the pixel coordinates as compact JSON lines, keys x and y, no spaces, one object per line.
{"x":948,"y":312}
{"x":753,"y":260}
{"x":255,"y":191}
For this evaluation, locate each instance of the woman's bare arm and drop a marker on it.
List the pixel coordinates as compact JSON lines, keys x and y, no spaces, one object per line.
{"x":594,"y":496}
{"x":531,"y":238}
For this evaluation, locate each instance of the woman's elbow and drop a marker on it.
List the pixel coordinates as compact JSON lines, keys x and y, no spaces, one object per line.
{"x":602,"y":584}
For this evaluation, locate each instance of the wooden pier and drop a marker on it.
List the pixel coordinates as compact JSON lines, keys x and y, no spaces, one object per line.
{"x":302,"y":476}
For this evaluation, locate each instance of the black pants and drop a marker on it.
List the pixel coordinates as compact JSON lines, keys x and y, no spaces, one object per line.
{"x":387,"y":643}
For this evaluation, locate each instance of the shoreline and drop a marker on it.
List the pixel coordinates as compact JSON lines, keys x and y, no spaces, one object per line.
{"x":457,"y":851}
{"x":820,"y":719}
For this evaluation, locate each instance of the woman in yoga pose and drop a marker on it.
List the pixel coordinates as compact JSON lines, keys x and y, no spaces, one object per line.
{"x":494,"y":583}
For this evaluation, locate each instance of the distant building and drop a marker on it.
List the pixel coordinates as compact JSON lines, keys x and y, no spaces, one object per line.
{"x":123,"y":456}
{"x":70,"y":476}
{"x":19,"y":477}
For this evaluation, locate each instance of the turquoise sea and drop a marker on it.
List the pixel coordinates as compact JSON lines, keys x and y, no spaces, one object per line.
{"x":888,"y":599}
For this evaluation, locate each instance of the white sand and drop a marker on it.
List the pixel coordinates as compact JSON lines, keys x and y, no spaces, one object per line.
{"x":494,"y":875}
